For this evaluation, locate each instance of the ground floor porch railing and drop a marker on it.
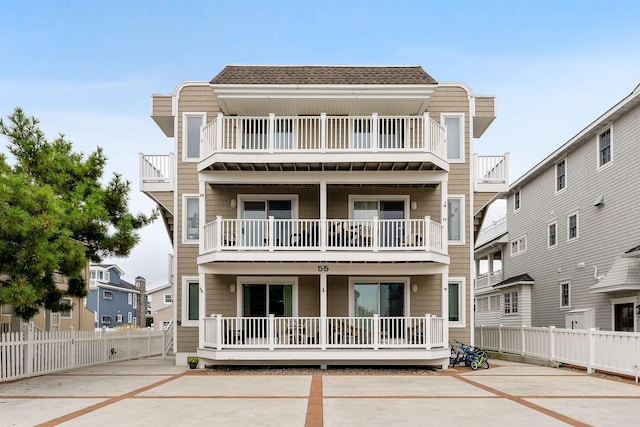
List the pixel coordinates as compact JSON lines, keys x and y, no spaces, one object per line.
{"x":271,"y":333}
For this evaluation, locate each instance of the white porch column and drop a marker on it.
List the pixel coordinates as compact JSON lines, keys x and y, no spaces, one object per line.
{"x":202,"y":214}
{"x":219,"y":128}
{"x":444,"y":196}
{"x":445,"y":306}
{"x":323,"y":216}
{"x":323,"y":310}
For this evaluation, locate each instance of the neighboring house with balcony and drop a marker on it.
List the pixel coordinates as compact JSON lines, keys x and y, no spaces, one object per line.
{"x":161,"y":306}
{"x":78,"y":318}
{"x":571,"y":256}
{"x":114,"y":301}
{"x":322,"y":214}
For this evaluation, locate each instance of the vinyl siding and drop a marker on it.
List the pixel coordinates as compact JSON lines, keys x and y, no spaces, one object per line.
{"x":605,"y":232}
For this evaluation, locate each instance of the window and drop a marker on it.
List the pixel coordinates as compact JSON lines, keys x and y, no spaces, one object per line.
{"x":494,"y":303}
{"x":456,"y":303}
{"x":604,"y":148}
{"x":482,"y":304}
{"x":107,"y":295}
{"x":455,"y":224}
{"x":565,"y":295}
{"x":191,"y":223}
{"x":511,"y":303}
{"x":516,"y":200}
{"x":168,"y":298}
{"x":552,"y":230}
{"x":191,"y":123}
{"x":129,"y":298}
{"x":454,"y":124}
{"x":106,"y":320}
{"x":561,"y":175}
{"x":129,"y":317}
{"x":371,"y":296}
{"x":93,"y":274}
{"x":119,"y":318}
{"x":66,"y":314}
{"x":135,"y":301}
{"x":190,"y":301}
{"x":256,"y":209}
{"x":391,"y":210}
{"x":518,"y":245}
{"x":572,"y":227}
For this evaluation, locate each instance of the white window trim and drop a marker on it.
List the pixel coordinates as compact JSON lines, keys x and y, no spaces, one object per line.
{"x":134,"y":301}
{"x":566,"y":176}
{"x":461,"y":302}
{"x":381,"y":279}
{"x":118,"y":318}
{"x":549,"y":245}
{"x":504,"y":306}
{"x":104,"y":295}
{"x":184,"y":134}
{"x":104,"y":316}
{"x":627,"y":300}
{"x":186,"y":241}
{"x":462,"y":219}
{"x":267,"y":280}
{"x":519,"y":199}
{"x":568,"y":283}
{"x":129,"y":299}
{"x":610,"y":162}
{"x":523,"y":242}
{"x":369,"y":197}
{"x":70,"y":312}
{"x":129,"y":317}
{"x":462,"y":135}
{"x":185,"y":297}
{"x":170,"y":299}
{"x":265,"y":197}
{"x":576,"y":213}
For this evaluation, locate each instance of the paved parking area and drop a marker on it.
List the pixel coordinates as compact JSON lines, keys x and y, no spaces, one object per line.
{"x":154,"y":392}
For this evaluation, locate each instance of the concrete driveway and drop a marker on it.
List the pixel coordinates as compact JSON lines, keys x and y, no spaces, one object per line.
{"x":153,"y":392}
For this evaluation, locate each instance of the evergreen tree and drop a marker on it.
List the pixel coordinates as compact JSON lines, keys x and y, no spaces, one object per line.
{"x":55,"y":216}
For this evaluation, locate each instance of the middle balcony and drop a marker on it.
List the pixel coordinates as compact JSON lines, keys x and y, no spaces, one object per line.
{"x":331,"y":240}
{"x":323,"y":143}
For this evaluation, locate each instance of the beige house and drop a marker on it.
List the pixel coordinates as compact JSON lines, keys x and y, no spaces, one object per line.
{"x":79,"y":317}
{"x":161,"y":306}
{"x":322,"y":214}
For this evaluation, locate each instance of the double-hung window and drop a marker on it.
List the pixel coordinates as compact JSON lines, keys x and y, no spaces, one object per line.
{"x":516,"y":200}
{"x":572,"y":226}
{"x":561,"y":175}
{"x":552,"y":230}
{"x":565,"y":294}
{"x":456,"y":290}
{"x":604,"y":148}
{"x":168,"y":299}
{"x":129,"y":298}
{"x":67,"y":313}
{"x":511,"y":303}
{"x":518,"y":245}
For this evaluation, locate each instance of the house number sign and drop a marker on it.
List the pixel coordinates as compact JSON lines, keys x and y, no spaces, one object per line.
{"x":323,"y":268}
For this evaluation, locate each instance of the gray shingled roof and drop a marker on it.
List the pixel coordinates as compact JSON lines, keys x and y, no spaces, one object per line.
{"x":323,"y":74}
{"x":522,"y":278}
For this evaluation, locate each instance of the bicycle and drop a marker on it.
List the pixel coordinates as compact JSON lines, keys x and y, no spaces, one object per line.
{"x":470,"y":356}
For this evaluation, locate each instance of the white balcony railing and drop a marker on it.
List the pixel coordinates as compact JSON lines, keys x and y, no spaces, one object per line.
{"x":156,"y":172}
{"x":324,"y":235}
{"x":491,"y":172}
{"x":322,"y":134}
{"x":272,"y":332}
{"x":485,"y":279}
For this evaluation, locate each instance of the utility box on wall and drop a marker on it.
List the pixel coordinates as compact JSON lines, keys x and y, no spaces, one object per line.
{"x":579,"y":319}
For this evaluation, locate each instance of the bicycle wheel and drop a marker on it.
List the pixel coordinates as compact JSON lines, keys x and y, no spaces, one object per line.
{"x":474,"y":365}
{"x":485,"y":364}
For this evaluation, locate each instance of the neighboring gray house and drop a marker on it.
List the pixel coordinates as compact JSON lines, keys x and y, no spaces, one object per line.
{"x":161,"y":306}
{"x":114,"y":301}
{"x":571,"y":256}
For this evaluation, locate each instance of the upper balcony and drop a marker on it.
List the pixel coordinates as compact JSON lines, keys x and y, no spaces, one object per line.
{"x":156,"y":172}
{"x":491,"y":173}
{"x":323,"y":142}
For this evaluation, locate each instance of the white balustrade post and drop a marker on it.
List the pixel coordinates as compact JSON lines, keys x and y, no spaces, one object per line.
{"x":271,"y":233}
{"x":375,"y":234}
{"x":272,"y":131}
{"x":323,"y":132}
{"x":376,"y":331}
{"x":500,"y":339}
{"x":592,"y":351}
{"x":427,"y":331}
{"x":72,"y":347}
{"x":218,"y":329}
{"x":552,"y":345}
{"x":105,"y":351}
{"x":28,"y":360}
{"x":374,"y":132}
{"x":164,"y":345}
{"x":219,"y":131}
{"x":218,"y":233}
{"x":427,"y":233}
{"x":426,"y":132}
{"x":323,"y":332}
{"x":271,"y":331}
{"x":522,"y":340}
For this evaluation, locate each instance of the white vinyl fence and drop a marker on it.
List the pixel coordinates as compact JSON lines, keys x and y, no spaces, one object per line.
{"x":36,"y":352}
{"x":617,"y":352}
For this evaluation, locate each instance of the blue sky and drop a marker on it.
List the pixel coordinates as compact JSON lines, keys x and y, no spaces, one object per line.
{"x":88,"y":68}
